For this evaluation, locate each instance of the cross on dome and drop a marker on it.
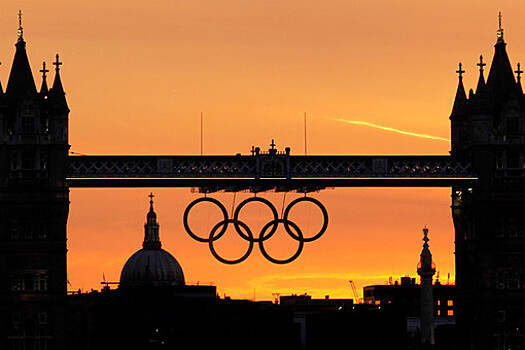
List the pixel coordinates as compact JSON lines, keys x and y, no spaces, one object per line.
{"x":151,"y":196}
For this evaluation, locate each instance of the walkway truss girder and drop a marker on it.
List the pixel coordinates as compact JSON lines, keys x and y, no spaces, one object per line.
{"x":266,"y":172}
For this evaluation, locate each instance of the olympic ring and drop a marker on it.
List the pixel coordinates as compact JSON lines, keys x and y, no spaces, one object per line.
{"x":266,"y":232}
{"x":225,"y":224}
{"x":299,"y":249}
{"x":286,"y":221}
{"x":187,"y":212}
{"x":256,"y":199}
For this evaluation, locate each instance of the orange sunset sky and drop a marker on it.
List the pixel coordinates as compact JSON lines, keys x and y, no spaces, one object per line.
{"x":138,"y":74}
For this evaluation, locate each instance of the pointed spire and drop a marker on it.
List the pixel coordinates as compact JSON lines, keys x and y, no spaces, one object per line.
{"x":481,"y":80}
{"x":44,"y":89}
{"x":151,"y":229}
{"x":20,"y":82}
{"x":461,"y":96}
{"x":500,"y":81}
{"x":57,"y":84}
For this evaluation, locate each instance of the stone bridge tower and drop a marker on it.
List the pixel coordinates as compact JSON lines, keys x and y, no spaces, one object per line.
{"x":488,"y":128}
{"x":34,"y":202}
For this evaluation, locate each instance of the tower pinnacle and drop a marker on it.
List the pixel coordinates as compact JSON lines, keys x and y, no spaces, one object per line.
{"x":500,"y":30}
{"x":44,"y":88}
{"x":481,"y":80}
{"x":151,"y":228}
{"x":20,"y":29}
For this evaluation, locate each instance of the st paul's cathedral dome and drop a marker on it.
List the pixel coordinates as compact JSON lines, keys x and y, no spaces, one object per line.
{"x":151,"y":265}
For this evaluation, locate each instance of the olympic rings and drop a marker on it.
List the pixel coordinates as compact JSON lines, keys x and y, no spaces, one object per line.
{"x":266,"y":232}
{"x":225,"y":224}
{"x":286,"y":221}
{"x":299,"y":249}
{"x":256,"y":199}
{"x":187,"y":212}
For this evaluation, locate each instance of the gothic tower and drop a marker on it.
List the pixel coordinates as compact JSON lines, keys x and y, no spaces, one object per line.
{"x":488,"y":128}
{"x":34,"y":199}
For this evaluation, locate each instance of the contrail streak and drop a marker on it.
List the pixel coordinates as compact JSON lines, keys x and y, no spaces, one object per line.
{"x":386,"y":128}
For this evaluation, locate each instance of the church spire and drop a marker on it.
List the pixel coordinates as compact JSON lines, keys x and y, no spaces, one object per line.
{"x":151,"y":229}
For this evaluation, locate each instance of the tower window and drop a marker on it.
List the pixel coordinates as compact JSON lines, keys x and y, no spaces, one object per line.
{"x":513,"y":281}
{"x":42,"y":318}
{"x":15,"y":318}
{"x":501,"y":315}
{"x":450,"y":312}
{"x":513,"y":159}
{"x":28,"y":125}
{"x":29,"y":282}
{"x":42,"y":282}
{"x":513,"y":126}
{"x":14,"y":229}
{"x":28,"y":160}
{"x":450,"y":303}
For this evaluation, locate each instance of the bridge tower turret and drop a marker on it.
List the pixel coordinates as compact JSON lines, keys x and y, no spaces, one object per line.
{"x":34,"y":198}
{"x":488,"y":129}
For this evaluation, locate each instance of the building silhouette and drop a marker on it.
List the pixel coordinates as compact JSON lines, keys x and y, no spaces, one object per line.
{"x":34,"y":199}
{"x":488,"y":128}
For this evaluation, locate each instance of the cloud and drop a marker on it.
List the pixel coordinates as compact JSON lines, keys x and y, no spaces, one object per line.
{"x":386,"y":128}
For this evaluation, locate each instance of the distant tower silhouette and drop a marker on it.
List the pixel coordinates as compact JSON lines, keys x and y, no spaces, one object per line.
{"x":488,"y":129}
{"x":34,"y":199}
{"x":426,"y":270}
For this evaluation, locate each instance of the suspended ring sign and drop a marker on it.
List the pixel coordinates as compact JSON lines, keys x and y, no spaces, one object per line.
{"x":267,"y":231}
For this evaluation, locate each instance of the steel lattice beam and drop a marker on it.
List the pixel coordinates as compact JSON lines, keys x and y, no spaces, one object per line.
{"x":272,"y":171}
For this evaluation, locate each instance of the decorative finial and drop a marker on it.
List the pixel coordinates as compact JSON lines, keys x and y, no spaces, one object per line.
{"x":500,"y":30}
{"x":481,"y":64}
{"x":20,"y":29}
{"x":425,"y":237}
{"x":460,"y":71}
{"x":44,"y":70}
{"x":518,"y":72}
{"x":151,"y":195}
{"x":272,"y":144}
{"x":57,"y":64}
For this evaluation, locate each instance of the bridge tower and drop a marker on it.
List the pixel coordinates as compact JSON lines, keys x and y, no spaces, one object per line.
{"x":488,"y":129}
{"x":34,"y":199}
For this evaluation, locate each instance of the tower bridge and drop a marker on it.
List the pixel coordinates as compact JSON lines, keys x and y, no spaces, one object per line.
{"x":485,"y":171}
